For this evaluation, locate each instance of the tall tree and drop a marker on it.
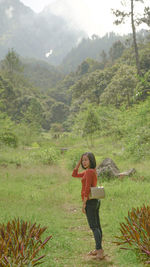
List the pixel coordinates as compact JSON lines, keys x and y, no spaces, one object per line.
{"x":91,"y":125}
{"x":116,"y":50}
{"x":121,"y":88}
{"x":146,"y":16}
{"x":12,"y":63}
{"x":122,"y":15}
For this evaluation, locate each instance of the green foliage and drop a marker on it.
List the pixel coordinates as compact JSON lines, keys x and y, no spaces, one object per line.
{"x":143,"y":86}
{"x":89,"y":48}
{"x":56,"y":130}
{"x":20,"y":243}
{"x":7,"y":97}
{"x":91,"y":86}
{"x":83,"y":68}
{"x":136,"y":231}
{"x":33,"y":114}
{"x":27,"y":134}
{"x":8,"y":138}
{"x":73,"y":156}
{"x":41,"y":74}
{"x":59,"y":112}
{"x":12,"y":63}
{"x":46,"y":156}
{"x":121,"y":88}
{"x":91,"y":124}
{"x":145,"y":58}
{"x":137,"y":131}
{"x":116,"y":50}
{"x":138,"y":144}
{"x":7,"y":131}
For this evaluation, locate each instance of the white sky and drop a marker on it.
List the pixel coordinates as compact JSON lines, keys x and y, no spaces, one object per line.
{"x":93,"y":16}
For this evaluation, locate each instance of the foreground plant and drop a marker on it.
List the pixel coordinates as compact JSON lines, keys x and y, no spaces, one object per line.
{"x":136,"y":232}
{"x":20,"y":244}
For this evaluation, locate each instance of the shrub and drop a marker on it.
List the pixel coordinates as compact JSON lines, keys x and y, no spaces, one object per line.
{"x":46,"y":155}
{"x":20,"y":243}
{"x":136,"y":232}
{"x":9,"y":138}
{"x":137,"y":145}
{"x":73,"y":157}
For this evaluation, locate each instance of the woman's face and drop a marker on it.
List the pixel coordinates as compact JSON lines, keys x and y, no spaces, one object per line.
{"x":85,"y":162}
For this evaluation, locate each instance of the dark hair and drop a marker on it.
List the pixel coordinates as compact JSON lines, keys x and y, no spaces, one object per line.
{"x":91,"y":158}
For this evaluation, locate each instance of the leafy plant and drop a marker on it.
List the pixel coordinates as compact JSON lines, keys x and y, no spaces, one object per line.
{"x":20,"y":244}
{"x":73,"y":157}
{"x":46,"y":155}
{"x":91,"y":125}
{"x":9,"y":138}
{"x":136,"y":232}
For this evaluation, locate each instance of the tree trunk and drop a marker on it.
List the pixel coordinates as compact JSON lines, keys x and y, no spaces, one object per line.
{"x":128,"y":99}
{"x":134,"y":39}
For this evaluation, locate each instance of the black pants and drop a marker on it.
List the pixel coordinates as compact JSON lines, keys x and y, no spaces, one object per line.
{"x":92,"y":214}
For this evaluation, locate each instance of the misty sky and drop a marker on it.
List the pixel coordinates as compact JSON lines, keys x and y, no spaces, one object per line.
{"x":93,"y":16}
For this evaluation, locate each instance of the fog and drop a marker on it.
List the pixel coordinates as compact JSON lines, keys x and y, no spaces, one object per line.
{"x":94,"y":17}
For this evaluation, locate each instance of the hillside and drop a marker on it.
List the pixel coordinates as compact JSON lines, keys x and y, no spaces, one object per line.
{"x":34,"y":35}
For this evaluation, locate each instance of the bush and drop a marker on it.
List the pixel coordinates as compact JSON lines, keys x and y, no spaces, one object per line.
{"x":73,"y":157}
{"x":137,"y":145}
{"x":136,"y":232}
{"x":20,"y":243}
{"x":9,"y":138}
{"x":46,"y":155}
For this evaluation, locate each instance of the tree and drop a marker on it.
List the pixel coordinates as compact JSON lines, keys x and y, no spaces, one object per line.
{"x":122,"y":15}
{"x":92,"y":85}
{"x":121,"y":88}
{"x":7,"y":97}
{"x":91,"y":124}
{"x":12,"y":69}
{"x":143,"y":87}
{"x":12,"y":63}
{"x":116,"y":50}
{"x":59,"y":112}
{"x":103,"y":56}
{"x":83,"y":68}
{"x":33,"y":114}
{"x":146,"y":16}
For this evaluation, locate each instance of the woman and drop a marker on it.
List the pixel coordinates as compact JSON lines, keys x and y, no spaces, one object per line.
{"x":90,"y":206}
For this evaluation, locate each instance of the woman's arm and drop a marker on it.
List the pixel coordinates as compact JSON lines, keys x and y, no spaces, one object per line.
{"x":78,"y":165}
{"x":84,"y":204}
{"x":75,"y":171}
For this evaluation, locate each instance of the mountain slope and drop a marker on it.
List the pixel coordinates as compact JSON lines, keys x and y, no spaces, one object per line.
{"x":34,"y":35}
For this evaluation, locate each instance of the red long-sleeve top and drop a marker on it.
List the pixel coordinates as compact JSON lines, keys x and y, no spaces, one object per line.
{"x":88,"y":180}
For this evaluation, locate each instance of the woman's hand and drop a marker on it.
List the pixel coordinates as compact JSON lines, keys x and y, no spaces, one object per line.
{"x":83,"y":207}
{"x":78,"y":164}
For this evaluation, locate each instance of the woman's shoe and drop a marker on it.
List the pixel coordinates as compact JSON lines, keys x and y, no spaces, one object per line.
{"x":92,"y":253}
{"x":100,"y":254}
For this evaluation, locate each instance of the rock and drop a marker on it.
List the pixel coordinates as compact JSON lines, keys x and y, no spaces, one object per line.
{"x":127,"y":173}
{"x":109,"y":169}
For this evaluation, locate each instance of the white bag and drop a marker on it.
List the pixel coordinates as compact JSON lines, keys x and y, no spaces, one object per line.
{"x":97,"y":192}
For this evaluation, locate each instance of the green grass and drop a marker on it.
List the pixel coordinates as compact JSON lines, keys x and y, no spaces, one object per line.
{"x":49,"y":196}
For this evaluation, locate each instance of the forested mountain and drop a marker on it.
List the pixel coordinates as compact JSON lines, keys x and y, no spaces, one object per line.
{"x":89,"y":48}
{"x":33,"y":92}
{"x":98,"y":48}
{"x":99,"y":73}
{"x":35,"y":35}
{"x":41,"y":74}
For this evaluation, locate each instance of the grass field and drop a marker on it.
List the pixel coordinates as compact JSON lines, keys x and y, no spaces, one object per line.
{"x":48,"y":195}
